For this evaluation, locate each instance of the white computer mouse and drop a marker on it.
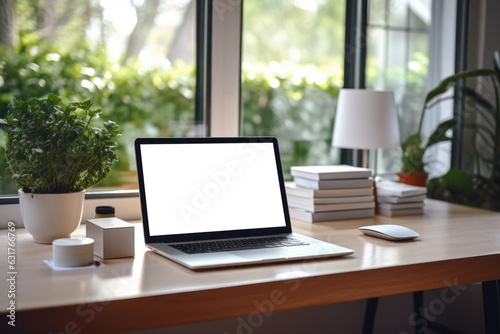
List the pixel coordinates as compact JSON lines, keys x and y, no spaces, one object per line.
{"x":389,"y":232}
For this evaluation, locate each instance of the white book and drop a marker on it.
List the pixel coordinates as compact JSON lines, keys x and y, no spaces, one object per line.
{"x":329,"y":172}
{"x":312,"y":217}
{"x":391,"y":188}
{"x":333,"y":184}
{"x":396,"y":200}
{"x":330,"y":207}
{"x":331,"y":200}
{"x":392,"y":207}
{"x":404,"y":212}
{"x":292,"y":189}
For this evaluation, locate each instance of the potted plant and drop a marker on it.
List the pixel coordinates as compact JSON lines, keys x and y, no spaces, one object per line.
{"x":54,"y":154}
{"x":476,"y":182}
{"x":413,"y":164}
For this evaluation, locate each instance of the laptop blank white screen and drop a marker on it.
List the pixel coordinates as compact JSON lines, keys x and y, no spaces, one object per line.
{"x":192,"y":188}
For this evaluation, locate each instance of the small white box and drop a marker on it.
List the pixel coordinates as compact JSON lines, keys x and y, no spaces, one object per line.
{"x":113,"y":237}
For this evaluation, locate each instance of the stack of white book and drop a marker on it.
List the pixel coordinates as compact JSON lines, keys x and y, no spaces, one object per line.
{"x":334,"y":192}
{"x":399,"y":199}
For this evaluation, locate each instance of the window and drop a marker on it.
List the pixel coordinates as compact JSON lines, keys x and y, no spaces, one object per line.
{"x":410,"y":48}
{"x":287,"y":55}
{"x":291,"y":75}
{"x":292,"y":71}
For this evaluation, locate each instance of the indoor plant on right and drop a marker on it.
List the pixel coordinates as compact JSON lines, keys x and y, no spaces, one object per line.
{"x":413,"y":164}
{"x":54,"y":154}
{"x":476,"y":181}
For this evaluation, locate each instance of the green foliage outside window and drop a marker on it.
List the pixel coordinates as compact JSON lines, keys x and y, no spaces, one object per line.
{"x":295,"y":105}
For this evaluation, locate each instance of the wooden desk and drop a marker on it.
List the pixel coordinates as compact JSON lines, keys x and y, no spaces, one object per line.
{"x":457,"y":245}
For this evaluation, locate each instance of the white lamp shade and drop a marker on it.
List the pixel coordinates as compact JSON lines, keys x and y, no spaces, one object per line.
{"x":366,"y":119}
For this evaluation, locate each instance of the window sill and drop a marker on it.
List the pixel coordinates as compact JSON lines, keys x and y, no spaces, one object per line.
{"x":126,"y":203}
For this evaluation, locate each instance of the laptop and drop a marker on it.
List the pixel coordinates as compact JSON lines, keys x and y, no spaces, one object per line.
{"x":219,"y":202}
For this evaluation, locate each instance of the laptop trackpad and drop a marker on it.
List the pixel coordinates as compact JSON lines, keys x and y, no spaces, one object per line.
{"x":263,"y":254}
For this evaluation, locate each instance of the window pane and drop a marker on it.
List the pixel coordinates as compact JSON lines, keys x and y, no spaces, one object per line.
{"x":292,"y":70}
{"x":377,"y":12}
{"x":398,"y":59}
{"x":135,"y":59}
{"x":398,"y":13}
{"x":420,"y":17}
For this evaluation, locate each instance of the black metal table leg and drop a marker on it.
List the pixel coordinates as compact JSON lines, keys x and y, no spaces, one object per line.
{"x":418,"y":303}
{"x":370,"y":312}
{"x":491,"y":303}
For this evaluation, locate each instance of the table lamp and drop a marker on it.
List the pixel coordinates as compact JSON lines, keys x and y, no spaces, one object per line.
{"x":366,"y":119}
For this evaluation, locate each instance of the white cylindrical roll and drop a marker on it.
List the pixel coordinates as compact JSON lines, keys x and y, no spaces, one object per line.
{"x":73,"y":252}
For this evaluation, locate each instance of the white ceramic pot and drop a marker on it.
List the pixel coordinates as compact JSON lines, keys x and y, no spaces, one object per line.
{"x":51,"y":216}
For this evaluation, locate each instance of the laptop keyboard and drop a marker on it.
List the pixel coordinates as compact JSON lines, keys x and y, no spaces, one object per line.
{"x":237,"y":244}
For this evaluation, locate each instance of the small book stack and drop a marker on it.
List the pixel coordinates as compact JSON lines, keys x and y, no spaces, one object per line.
{"x":399,"y":199}
{"x":325,"y":193}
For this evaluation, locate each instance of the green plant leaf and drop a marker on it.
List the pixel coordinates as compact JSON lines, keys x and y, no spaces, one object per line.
{"x":450,"y":81}
{"x":439,"y":134}
{"x":455,"y":186}
{"x":411,"y":140}
{"x":52,"y":99}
